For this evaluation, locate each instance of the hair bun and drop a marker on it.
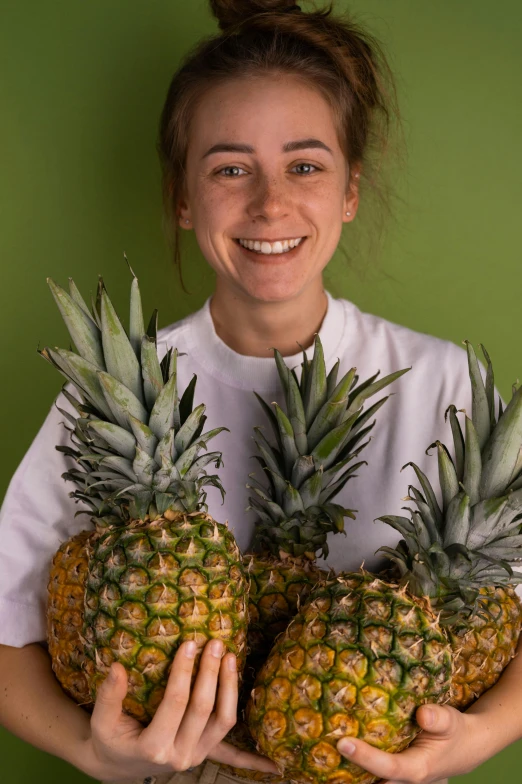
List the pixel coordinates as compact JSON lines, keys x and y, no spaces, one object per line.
{"x":230,"y":13}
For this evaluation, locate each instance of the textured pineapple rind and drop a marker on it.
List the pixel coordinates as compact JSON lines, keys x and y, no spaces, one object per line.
{"x":484,"y":644}
{"x":65,"y":608}
{"x":150,"y":586}
{"x":359,"y":659}
{"x":278,"y":586}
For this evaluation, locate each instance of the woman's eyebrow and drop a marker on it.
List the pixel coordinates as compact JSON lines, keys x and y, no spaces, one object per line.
{"x":301,"y":144}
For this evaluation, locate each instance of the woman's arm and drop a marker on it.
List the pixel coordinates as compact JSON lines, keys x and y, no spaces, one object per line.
{"x":34,"y":707}
{"x":499,"y":710}
{"x":188,"y":727}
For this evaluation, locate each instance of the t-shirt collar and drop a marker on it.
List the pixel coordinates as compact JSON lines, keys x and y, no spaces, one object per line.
{"x":258,"y":373}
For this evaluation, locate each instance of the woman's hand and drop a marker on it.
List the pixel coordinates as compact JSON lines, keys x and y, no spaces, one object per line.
{"x":188,"y":726}
{"x":451,"y":744}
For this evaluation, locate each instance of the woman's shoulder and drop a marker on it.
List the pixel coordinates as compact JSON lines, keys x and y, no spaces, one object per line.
{"x":174,"y":331}
{"x":376,"y":334}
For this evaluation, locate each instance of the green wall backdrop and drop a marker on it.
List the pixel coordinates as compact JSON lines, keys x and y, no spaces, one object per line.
{"x":81,"y":91}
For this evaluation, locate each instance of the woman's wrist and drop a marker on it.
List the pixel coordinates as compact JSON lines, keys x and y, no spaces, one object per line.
{"x":85,"y":759}
{"x":490,"y":725}
{"x":482,"y":744}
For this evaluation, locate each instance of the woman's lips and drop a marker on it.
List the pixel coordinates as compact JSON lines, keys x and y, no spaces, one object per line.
{"x":271,"y":258}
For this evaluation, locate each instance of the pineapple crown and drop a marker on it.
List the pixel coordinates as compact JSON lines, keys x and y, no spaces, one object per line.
{"x":450,"y":552}
{"x":137,"y":443}
{"x":316,"y":439}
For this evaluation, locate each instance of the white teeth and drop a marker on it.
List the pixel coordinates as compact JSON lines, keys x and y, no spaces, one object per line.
{"x":270,"y":247}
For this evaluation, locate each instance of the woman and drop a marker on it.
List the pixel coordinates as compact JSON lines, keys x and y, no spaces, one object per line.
{"x":291,"y":103}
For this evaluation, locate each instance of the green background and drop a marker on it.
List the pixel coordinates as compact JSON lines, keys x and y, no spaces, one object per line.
{"x":81,"y":91}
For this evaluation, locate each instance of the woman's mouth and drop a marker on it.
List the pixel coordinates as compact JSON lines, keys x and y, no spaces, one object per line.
{"x":271,"y":252}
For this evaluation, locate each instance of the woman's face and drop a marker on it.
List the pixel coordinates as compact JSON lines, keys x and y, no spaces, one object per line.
{"x":266,"y":192}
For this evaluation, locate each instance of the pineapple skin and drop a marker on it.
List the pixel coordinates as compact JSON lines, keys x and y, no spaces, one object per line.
{"x":65,"y":613}
{"x":484,"y":645}
{"x":152,"y":585}
{"x":278,"y":586}
{"x":359,"y":659}
{"x":240,"y":737}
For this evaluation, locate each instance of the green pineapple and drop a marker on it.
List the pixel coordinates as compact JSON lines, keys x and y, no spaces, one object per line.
{"x":158,"y":569}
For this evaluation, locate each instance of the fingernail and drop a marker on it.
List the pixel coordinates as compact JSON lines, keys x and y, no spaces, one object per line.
{"x":216,"y":648}
{"x":190,"y":649}
{"x":112,"y":675}
{"x":428,"y":717}
{"x":232,"y":664}
{"x":346,"y":746}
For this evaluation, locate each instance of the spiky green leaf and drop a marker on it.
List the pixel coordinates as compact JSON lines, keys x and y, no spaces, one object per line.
{"x":188,"y":430}
{"x":136,"y":325}
{"x":165,"y":411}
{"x":118,"y":438}
{"x":150,"y":371}
{"x":286,"y":437}
{"x":447,"y":476}
{"x":121,"y":401}
{"x":500,"y":454}
{"x":294,"y":403}
{"x":480,"y":404}
{"x":83,"y":331}
{"x":458,"y":440}
{"x":315,"y":392}
{"x":372,"y":389}
{"x":458,"y":520}
{"x":186,"y":404}
{"x":119,"y":355}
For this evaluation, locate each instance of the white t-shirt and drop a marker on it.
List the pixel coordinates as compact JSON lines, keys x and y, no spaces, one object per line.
{"x":37,"y":513}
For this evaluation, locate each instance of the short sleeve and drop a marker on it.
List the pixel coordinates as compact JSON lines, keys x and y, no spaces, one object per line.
{"x":37,"y":515}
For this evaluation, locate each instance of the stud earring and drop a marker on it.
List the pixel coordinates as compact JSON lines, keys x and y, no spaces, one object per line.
{"x":187,"y":221}
{"x":348,"y":213}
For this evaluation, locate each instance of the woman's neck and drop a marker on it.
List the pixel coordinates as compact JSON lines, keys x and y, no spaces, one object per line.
{"x":252,"y":328}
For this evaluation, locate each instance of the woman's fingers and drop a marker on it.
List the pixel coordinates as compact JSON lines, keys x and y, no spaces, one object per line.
{"x":230,"y":755}
{"x":203,"y":697}
{"x":225,"y":714}
{"x":109,"y":700}
{"x":161,"y":732}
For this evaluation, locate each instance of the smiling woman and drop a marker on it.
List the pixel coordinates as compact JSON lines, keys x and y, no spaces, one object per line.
{"x":264,"y":138}
{"x":271,"y":138}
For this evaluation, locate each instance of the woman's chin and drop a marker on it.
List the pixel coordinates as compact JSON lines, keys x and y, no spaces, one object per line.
{"x":272,"y":291}
{"x":271,"y":284}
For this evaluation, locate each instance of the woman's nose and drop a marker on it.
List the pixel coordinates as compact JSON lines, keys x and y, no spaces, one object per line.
{"x":270,"y":197}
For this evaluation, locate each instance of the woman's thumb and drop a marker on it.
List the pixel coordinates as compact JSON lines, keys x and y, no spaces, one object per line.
{"x":110,"y":695}
{"x":438,"y":719}
{"x":116,"y":679}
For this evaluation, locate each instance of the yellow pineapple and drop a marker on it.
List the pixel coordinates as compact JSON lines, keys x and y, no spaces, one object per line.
{"x":365,"y":652}
{"x":65,"y":610}
{"x":316,"y":443}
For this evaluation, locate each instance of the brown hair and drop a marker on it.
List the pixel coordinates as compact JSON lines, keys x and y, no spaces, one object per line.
{"x":336,"y":55}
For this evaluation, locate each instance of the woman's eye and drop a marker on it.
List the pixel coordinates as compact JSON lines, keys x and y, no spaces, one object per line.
{"x":238,"y":168}
{"x":307,"y":164}
{"x":230,"y":167}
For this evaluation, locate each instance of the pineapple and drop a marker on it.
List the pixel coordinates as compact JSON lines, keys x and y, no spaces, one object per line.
{"x":156,"y":569}
{"x":317,"y":441}
{"x":365,"y":651}
{"x":65,"y":614}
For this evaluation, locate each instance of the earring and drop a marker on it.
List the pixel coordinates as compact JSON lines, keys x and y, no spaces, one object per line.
{"x":348,"y":213}
{"x":187,"y":221}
